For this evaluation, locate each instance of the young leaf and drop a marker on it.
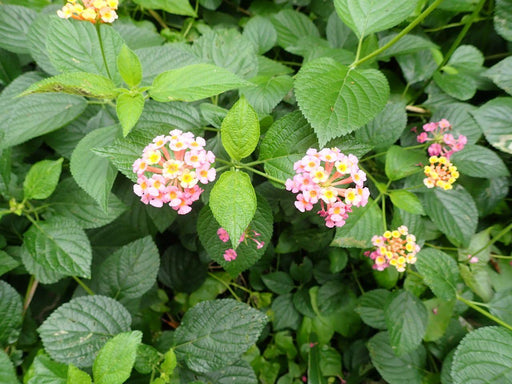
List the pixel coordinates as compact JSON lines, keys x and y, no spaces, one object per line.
{"x":233,"y":203}
{"x":194,"y":82}
{"x":116,"y":358}
{"x":7,"y":372}
{"x":214,"y":334}
{"x":440,"y":272}
{"x":129,"y":108}
{"x":129,"y":66}
{"x":10,"y":314}
{"x":401,"y":162}
{"x":407,"y":201}
{"x":77,"y":330}
{"x":336,"y":99}
{"x":240,"y":130}
{"x":77,"y":376}
{"x":42,"y":179}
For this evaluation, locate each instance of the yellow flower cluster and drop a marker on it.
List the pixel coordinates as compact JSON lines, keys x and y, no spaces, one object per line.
{"x":440,"y":173}
{"x":103,"y":11}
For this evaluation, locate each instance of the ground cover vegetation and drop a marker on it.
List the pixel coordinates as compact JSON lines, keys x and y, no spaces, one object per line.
{"x":231,"y":191}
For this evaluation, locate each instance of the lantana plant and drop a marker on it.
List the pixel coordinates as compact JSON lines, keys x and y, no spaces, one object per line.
{"x":95,"y":11}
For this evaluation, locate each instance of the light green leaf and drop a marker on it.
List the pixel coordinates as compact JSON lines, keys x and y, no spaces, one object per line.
{"x":75,"y":83}
{"x":214,"y":334}
{"x":93,"y":173}
{"x":501,"y":74}
{"x":361,"y":225}
{"x":77,"y":330}
{"x":406,"y":320}
{"x":193,"y":82}
{"x":131,"y":271}
{"x":148,"y":358}
{"x":439,"y":272}
{"x":371,"y":306}
{"x":503,"y":19}
{"x":478,"y":161}
{"x":260,"y":31}
{"x":42,"y":179}
{"x":337,"y":100}
{"x":77,"y":376}
{"x":368,"y":16}
{"x":494,"y":118}
{"x":501,"y":305}
{"x":484,"y":353}
{"x":407,"y":201}
{"x":291,"y":26}
{"x":454,"y":212}
{"x":11,"y":318}
{"x":240,"y":130}
{"x":14,"y":24}
{"x":46,"y":371}
{"x":177,"y":7}
{"x":458,"y":5}
{"x":401,"y":162}
{"x":129,"y":66}
{"x":116,"y":358}
{"x":129,"y":109}
{"x":406,"y":369}
{"x":7,"y":372}
{"x":233,"y":203}
{"x":60,"y":245}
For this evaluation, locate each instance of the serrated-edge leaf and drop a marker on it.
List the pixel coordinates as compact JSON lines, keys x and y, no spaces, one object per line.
{"x":478,"y":161}
{"x":439,"y":271}
{"x":371,"y":307}
{"x":7,"y":372}
{"x":11,"y":310}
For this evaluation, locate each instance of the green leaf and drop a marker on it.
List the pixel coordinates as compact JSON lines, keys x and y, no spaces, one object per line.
{"x":260,"y":31}
{"x":93,"y":173}
{"x":401,"y":162}
{"x":11,"y":318}
{"x":7,"y":372}
{"x":42,"y":179}
{"x":41,"y":272}
{"x":314,"y":372}
{"x":14,"y":24}
{"x":478,"y":161}
{"x":138,"y":34}
{"x":240,"y":372}
{"x":116,"y":358}
{"x":361,"y":225}
{"x":366,"y":16}
{"x":501,"y":74}
{"x":406,"y":369}
{"x":74,"y":47}
{"x":148,"y":358}
{"x":407,"y":201}
{"x":406,"y":45}
{"x":36,"y":39}
{"x":129,"y":66}
{"x":494,"y":119}
{"x":459,"y":116}
{"x":458,"y":85}
{"x":439,"y":271}
{"x":131,"y":271}
{"x":484,"y":353}
{"x":454,"y":212}
{"x":478,"y":279}
{"x":77,"y":376}
{"x":46,"y":371}
{"x":278,"y":282}
{"x":60,"y":245}
{"x":501,"y":305}
{"x":129,"y":109}
{"x":337,"y":100}
{"x":267,"y":91}
{"x":285,"y":315}
{"x":77,"y":330}
{"x":240,"y":130}
{"x":291,"y":26}
{"x":440,"y":313}
{"x":177,"y":7}
{"x":75,"y":83}
{"x":371,"y":306}
{"x":406,"y":320}
{"x":72,"y":202}
{"x":10,"y":67}
{"x":7,"y":263}
{"x":214,"y":334}
{"x":503,"y":19}
{"x":233,"y":203}
{"x":193,"y":82}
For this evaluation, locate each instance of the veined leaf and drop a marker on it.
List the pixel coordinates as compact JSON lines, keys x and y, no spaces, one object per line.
{"x":129,"y":66}
{"x":371,"y":306}
{"x":177,"y":7}
{"x":7,"y":372}
{"x":478,"y":161}
{"x":407,"y":201}
{"x":494,"y":119}
{"x":501,"y":74}
{"x":10,"y":314}
{"x":291,"y":26}
{"x":46,"y":371}
{"x":440,"y":272}
{"x":503,"y":19}
{"x":129,"y":109}
{"x":401,"y":162}
{"x":42,"y":179}
{"x":15,"y":21}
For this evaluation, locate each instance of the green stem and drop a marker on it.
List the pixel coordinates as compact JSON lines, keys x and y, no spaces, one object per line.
{"x":484,"y":312}
{"x":98,"y":30}
{"x":384,"y":213}
{"x":501,"y":257}
{"x":404,"y":32}
{"x":82,"y":284}
{"x":157,"y":17}
{"x":495,"y":239}
{"x":263,"y":174}
{"x":29,"y":295}
{"x":226,"y":285}
{"x":359,"y":47}
{"x":453,"y":25}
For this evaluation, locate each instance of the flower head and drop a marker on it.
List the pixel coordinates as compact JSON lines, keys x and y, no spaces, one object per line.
{"x":331,"y":178}
{"x":440,"y":173}
{"x":165,"y":176}
{"x":397,"y":248}
{"x":102,"y":11}
{"x":443,"y":143}
{"x":230,"y":255}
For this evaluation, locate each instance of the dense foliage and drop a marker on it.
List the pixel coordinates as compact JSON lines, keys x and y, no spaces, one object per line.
{"x":256,"y":191}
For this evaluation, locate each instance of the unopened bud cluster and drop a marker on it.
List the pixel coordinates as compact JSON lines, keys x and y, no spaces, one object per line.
{"x":103,"y":11}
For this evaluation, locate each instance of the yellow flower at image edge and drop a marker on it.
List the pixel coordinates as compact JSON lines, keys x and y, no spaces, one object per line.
{"x":440,"y":173}
{"x":103,"y":11}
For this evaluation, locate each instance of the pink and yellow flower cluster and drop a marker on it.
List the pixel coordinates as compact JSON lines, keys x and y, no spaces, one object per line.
{"x":249,"y":234}
{"x":444,"y":144}
{"x":103,"y":11}
{"x":323,"y":176}
{"x":170,"y":169}
{"x":397,"y":248}
{"x":440,"y":173}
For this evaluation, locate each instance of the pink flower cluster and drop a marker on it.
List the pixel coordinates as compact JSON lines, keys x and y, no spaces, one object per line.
{"x":249,"y":234}
{"x":322,"y":176}
{"x":171,"y":168}
{"x":444,"y":144}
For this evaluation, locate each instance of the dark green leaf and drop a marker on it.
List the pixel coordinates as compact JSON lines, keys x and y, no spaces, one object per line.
{"x":11,"y":310}
{"x":503,"y":19}
{"x":7,"y":372}
{"x":14,"y":24}
{"x":501,"y":74}
{"x":494,"y":119}
{"x":401,"y":162}
{"x":478,"y":161}
{"x":278,"y":282}
{"x":439,"y":271}
{"x":371,"y":307}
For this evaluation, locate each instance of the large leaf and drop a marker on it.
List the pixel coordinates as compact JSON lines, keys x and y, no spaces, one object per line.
{"x":260,"y":31}
{"x":478,"y":161}
{"x":11,"y":318}
{"x":42,"y":179}
{"x":178,"y":7}
{"x":501,"y":74}
{"x":406,"y":45}
{"x":439,"y":271}
{"x":14,"y":24}
{"x":36,"y":41}
{"x":336,"y":99}
{"x":7,"y":372}
{"x":503,"y":19}
{"x":61,"y":246}
{"x":233,"y":203}
{"x":371,"y":306}
{"x":454,"y":212}
{"x":494,"y":118}
{"x":193,"y":82}
{"x":291,"y":26}
{"x":214,"y":334}
{"x":369,"y":16}
{"x":138,"y":34}
{"x":240,"y":372}
{"x":267,"y":91}
{"x":484,"y":353}
{"x":93,"y":173}
{"x":46,"y":371}
{"x":77,"y":330}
